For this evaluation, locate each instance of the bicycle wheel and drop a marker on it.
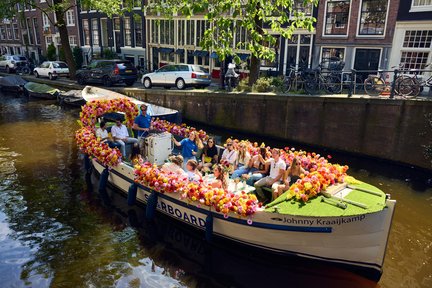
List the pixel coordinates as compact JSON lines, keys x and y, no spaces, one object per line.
{"x":374,"y":86}
{"x":409,"y":88}
{"x":287,"y":84}
{"x":310,"y":85}
{"x":333,"y":84}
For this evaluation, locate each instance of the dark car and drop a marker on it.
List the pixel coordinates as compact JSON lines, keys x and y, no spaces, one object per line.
{"x":108,"y":72}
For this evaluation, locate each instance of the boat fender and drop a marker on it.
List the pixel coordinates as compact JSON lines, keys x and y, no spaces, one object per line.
{"x":151,"y":205}
{"x":103,"y":180}
{"x":87,"y":163}
{"x":132,"y":192}
{"x":209,"y":227}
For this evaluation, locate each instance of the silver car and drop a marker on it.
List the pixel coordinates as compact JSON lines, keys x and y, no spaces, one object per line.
{"x":178,"y":75}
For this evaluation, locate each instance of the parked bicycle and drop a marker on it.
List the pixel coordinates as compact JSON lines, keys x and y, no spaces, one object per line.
{"x":294,"y":79}
{"x":25,"y":69}
{"x":412,"y":85}
{"x":315,"y":80}
{"x":374,"y":85}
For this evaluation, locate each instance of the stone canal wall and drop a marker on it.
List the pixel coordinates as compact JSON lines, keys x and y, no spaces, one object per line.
{"x":389,"y":129}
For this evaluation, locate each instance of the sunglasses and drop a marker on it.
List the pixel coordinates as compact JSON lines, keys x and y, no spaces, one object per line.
{"x":229,"y":144}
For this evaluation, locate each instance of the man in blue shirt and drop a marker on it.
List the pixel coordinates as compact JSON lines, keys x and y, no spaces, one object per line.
{"x":142,"y":125}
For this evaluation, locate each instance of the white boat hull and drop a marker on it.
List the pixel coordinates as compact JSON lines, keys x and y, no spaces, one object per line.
{"x":358,"y":241}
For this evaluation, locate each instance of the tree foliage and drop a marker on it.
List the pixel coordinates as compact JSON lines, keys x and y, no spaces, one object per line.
{"x":51,"y":54}
{"x":261,"y":19}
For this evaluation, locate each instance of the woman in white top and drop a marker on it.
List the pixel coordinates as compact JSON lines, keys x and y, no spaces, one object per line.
{"x":230,"y":155}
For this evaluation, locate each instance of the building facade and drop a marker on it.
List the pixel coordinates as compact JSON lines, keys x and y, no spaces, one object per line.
{"x":357,"y":32}
{"x":10,"y":36}
{"x":412,"y":43}
{"x":31,"y":31}
{"x":124,"y":36}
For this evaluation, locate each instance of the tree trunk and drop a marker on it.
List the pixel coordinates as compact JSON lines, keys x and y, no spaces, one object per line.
{"x":64,"y":38}
{"x":254,"y":70}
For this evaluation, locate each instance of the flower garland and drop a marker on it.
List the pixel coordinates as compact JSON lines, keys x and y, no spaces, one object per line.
{"x":96,"y":108}
{"x":224,"y":202}
{"x":90,"y":145}
{"x":86,"y":139}
{"x":181,"y":130}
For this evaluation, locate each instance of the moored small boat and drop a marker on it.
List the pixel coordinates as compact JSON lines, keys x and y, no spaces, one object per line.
{"x":12,"y":83}
{"x":39,"y":90}
{"x":71,"y":98}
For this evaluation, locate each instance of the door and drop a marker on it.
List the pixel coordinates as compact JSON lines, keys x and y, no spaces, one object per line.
{"x":367,"y":60}
{"x":159,"y":76}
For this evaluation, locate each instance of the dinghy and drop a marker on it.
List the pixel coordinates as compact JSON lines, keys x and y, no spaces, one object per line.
{"x":39,"y":90}
{"x":71,"y":98}
{"x":326,"y":215}
{"x":12,"y":83}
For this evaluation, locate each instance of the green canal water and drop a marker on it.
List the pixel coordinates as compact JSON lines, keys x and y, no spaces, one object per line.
{"x":57,"y":231}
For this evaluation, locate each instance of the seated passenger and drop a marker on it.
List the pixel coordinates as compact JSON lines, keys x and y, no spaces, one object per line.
{"x":192,"y":171}
{"x":244,"y":161}
{"x":174,"y":166}
{"x":277,"y":169}
{"x":121,"y":135}
{"x":221,"y":178}
{"x":258,"y":168}
{"x":209,"y":156}
{"x":291,"y":175}
{"x":230,"y":155}
{"x":104,"y":137}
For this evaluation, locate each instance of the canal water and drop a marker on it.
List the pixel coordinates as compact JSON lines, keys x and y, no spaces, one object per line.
{"x":57,"y":231}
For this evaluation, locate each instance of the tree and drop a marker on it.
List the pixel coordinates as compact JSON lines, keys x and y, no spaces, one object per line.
{"x":261,"y":19}
{"x":51,"y":52}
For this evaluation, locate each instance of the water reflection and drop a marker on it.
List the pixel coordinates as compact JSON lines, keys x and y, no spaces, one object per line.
{"x":56,"y":231}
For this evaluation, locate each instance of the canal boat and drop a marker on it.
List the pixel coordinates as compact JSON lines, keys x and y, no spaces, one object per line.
{"x":12,"y":83}
{"x":71,"y":98}
{"x":349,"y":227}
{"x":90,"y":93}
{"x":41,"y":91}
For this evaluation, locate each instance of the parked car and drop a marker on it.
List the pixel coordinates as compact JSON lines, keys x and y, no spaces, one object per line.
{"x":179,"y":75}
{"x":108,"y":72}
{"x":11,"y":62}
{"x":52,"y":69}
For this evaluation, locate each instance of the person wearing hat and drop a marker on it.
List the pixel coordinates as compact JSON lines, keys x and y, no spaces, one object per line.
{"x":142,"y":125}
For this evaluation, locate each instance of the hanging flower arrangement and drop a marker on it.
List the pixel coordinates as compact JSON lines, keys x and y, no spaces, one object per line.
{"x":94,"y":109}
{"x":180,"y":130}
{"x":90,"y":145}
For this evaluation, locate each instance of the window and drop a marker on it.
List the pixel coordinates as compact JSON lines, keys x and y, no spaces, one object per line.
{"x":241,"y":37}
{"x":9,"y":31}
{"x":166,"y":32}
{"x":138,"y":31}
{"x":127,"y":31}
{"x":181,"y":32}
{"x":30,"y":31}
{"x":332,"y":54}
{"x":2,"y":33}
{"x":202,"y":26}
{"x":373,"y":17}
{"x":190,"y":33}
{"x":48,"y":40}
{"x":414,"y":60}
{"x":418,"y":39}
{"x":95,"y":32}
{"x":86,"y":31}
{"x":16,"y":31}
{"x":336,"y":19}
{"x":421,"y":5}
{"x":298,"y":6}
{"x":72,"y":41}
{"x":70,"y":18}
{"x":36,"y":31}
{"x":45,"y":20}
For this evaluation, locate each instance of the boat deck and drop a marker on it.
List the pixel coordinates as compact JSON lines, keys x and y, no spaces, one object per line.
{"x":316,"y":208}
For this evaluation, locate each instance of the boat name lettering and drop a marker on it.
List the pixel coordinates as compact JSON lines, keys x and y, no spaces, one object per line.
{"x":324,"y":222}
{"x":192,"y":219}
